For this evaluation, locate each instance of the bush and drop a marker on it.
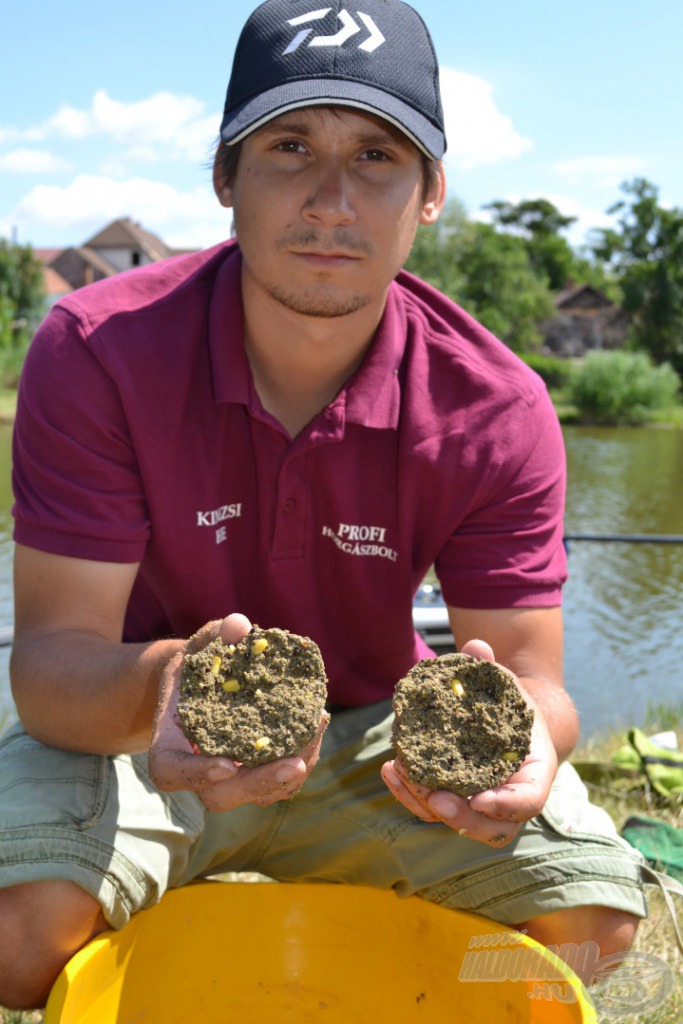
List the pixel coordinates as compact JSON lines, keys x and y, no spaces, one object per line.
{"x":623,"y":387}
{"x":556,"y":373}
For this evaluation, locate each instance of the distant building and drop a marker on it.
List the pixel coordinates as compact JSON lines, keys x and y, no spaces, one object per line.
{"x":119,"y":246}
{"x":585,"y":319}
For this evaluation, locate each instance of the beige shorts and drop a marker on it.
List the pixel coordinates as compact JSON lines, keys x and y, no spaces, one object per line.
{"x":100,"y":822}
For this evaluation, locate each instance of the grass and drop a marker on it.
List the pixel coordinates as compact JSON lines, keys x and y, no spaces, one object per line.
{"x":618,"y":797}
{"x":8,"y":404}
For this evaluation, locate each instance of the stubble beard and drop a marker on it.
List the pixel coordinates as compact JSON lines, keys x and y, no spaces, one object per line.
{"x":320,"y":304}
{"x":318,"y":299}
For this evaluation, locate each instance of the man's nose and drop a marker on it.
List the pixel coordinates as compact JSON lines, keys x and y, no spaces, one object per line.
{"x":330,"y":202}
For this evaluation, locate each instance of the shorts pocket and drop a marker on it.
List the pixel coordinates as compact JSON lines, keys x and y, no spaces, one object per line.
{"x":569,"y":813}
{"x":41,"y":785}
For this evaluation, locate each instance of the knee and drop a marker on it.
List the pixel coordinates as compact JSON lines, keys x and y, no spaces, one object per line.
{"x":613,"y":931}
{"x":609,"y":931}
{"x":42,"y":924}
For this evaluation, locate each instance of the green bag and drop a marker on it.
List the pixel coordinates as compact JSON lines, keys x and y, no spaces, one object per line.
{"x":661,"y":844}
{"x":663,"y":768}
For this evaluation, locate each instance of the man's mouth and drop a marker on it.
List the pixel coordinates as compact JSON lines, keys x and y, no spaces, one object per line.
{"x":314,"y":248}
{"x":325,"y":257}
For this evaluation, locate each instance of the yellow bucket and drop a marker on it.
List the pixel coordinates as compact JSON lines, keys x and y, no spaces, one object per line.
{"x":240,"y":953}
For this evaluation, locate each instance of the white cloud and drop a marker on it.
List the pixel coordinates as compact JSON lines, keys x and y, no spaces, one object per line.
{"x":32,"y":161}
{"x":605,"y":171}
{"x":89,"y":196}
{"x":160,"y":127}
{"x":157,"y":117}
{"x":190,"y":218}
{"x":477,"y":132}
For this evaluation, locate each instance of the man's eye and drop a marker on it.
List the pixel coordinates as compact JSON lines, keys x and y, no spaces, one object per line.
{"x":375,"y":155}
{"x":290,"y":146}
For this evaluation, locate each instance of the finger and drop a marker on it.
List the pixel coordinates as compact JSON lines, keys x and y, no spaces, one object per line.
{"x":172,"y":769}
{"x":395,"y":784}
{"x":172,"y":763}
{"x":293,"y":772}
{"x":233,"y":628}
{"x":165,"y":729}
{"x":457,"y":813}
{"x":266,"y":783}
{"x":311,"y":752}
{"x":520,"y":798}
{"x":262,"y":785}
{"x":419,"y":793}
{"x":203,"y":636}
{"x":478,"y":649}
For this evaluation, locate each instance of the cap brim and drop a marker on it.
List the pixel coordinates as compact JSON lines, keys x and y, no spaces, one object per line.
{"x":323,"y":92}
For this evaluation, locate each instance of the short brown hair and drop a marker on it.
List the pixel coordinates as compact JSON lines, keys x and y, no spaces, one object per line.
{"x":227,"y":159}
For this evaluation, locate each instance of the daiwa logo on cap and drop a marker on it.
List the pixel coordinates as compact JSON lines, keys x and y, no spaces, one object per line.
{"x":349,"y":29}
{"x":371,"y":55}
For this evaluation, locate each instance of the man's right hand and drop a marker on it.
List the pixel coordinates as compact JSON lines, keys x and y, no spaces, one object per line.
{"x":221,"y":784}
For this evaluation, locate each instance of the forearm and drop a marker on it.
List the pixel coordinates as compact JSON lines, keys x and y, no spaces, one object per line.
{"x":79,"y":691}
{"x":558,"y":710}
{"x":528,"y":641}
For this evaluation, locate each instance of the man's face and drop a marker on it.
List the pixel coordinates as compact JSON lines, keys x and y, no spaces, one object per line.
{"x":326,"y":203}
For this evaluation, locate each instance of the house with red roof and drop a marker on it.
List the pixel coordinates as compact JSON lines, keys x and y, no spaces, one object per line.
{"x":119,"y":246}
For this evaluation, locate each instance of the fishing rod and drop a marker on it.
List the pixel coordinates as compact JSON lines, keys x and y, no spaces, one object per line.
{"x":433,"y":598}
{"x":626,"y":538}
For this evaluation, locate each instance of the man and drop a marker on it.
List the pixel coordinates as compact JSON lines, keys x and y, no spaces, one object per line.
{"x":280,"y":432}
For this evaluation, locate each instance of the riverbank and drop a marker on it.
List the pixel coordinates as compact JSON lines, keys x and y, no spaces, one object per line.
{"x":569,"y":415}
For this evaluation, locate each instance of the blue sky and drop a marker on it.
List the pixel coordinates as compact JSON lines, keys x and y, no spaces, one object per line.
{"x":112,"y":110}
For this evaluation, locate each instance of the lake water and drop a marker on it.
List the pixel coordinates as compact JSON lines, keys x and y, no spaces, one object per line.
{"x":624,"y":641}
{"x":623,"y":602}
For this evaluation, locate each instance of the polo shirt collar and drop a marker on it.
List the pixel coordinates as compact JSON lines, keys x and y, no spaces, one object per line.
{"x":373,"y":393}
{"x":370,"y":398}
{"x":230,"y":370}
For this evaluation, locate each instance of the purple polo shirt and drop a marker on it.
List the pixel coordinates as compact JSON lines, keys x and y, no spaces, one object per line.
{"x":140,"y":438}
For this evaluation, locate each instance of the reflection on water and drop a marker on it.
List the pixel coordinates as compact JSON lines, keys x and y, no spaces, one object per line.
{"x":624,"y":642}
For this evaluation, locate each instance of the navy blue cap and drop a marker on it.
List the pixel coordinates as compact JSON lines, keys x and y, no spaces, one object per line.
{"x":300,"y":53}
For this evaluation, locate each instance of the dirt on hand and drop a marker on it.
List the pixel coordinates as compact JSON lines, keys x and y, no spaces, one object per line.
{"x":254,"y":701}
{"x":460,"y":724}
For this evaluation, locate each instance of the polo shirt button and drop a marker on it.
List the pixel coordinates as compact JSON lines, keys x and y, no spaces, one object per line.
{"x":288,"y":505}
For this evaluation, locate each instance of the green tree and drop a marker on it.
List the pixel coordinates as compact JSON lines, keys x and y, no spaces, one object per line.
{"x":539,"y":223}
{"x":22,"y":294}
{"x":488,"y":272}
{"x":645,"y":252}
{"x":502,"y":289}
{"x":437,"y":252}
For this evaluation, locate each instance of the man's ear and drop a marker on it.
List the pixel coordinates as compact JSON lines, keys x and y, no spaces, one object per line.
{"x":434,"y":202}
{"x":222,"y":190}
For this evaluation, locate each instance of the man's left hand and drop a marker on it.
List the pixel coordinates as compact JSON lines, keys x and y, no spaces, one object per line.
{"x":493,"y":816}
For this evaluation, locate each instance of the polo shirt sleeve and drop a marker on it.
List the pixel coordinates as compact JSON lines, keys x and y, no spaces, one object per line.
{"x":76,"y":484}
{"x":508,"y":550}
